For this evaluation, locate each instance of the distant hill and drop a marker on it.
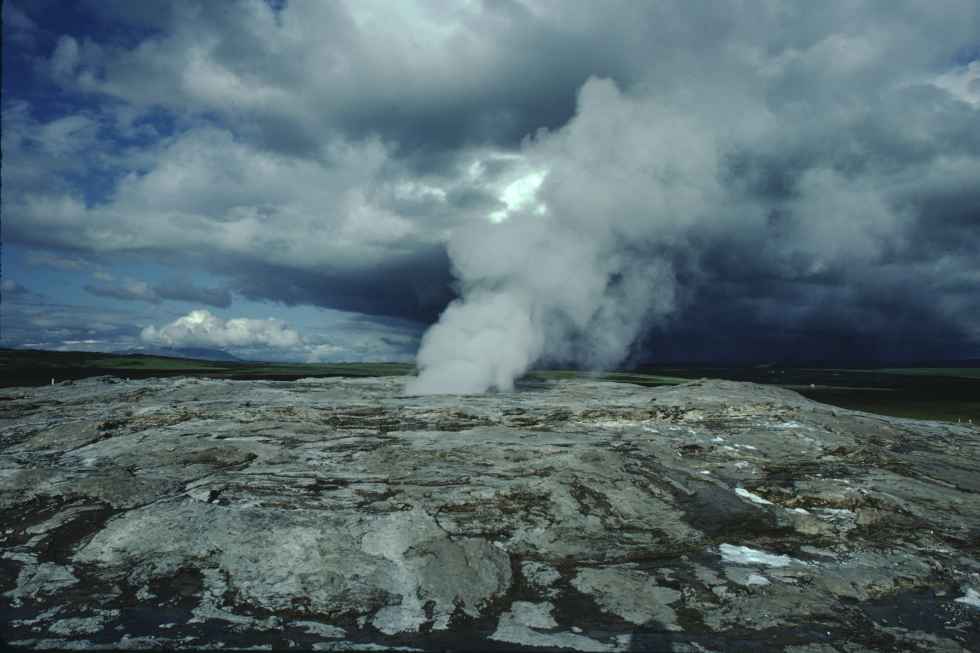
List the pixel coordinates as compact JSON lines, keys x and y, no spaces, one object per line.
{"x":196,"y":353}
{"x":22,"y":367}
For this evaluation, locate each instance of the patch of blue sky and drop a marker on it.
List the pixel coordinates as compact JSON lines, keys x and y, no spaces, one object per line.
{"x":967,"y":55}
{"x":58,"y":282}
{"x":59,"y":279}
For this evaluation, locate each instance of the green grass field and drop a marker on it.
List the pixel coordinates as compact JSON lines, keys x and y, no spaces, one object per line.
{"x":153,"y":363}
{"x":941,"y":393}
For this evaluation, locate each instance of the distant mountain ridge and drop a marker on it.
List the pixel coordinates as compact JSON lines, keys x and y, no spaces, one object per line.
{"x":198,"y":353}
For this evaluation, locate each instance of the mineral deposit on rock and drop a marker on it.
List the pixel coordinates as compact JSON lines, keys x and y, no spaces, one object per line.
{"x":339,"y":514}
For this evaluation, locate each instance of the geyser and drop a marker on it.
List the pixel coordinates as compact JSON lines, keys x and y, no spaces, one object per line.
{"x":636,"y":190}
{"x":581,"y":280}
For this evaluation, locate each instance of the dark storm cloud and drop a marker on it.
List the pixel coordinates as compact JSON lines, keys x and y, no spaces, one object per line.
{"x":416,"y":288}
{"x":740,"y":318}
{"x":489,"y":74}
{"x":808,"y":170}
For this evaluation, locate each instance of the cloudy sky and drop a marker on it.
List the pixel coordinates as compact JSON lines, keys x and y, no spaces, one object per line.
{"x":314,"y":180}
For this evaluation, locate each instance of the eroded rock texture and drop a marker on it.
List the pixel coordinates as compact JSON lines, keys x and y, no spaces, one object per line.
{"x":338,"y":514}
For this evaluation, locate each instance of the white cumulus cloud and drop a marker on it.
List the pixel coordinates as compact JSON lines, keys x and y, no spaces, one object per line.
{"x":201,"y":328}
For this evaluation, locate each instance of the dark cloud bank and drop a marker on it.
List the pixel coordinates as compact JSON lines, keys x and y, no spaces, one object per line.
{"x":667,"y":180}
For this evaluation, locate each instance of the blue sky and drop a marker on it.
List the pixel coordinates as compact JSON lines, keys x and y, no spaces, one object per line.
{"x":301,"y":181}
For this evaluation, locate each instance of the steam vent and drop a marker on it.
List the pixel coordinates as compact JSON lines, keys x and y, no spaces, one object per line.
{"x":339,"y":514}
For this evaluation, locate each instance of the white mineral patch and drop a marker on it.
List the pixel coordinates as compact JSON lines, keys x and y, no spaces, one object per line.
{"x":427,"y":566}
{"x":631,"y":594}
{"x":80,"y":625}
{"x":614,"y":424}
{"x":511,"y":630}
{"x":211,"y":605}
{"x":746,"y":577}
{"x":390,"y":538}
{"x":540,"y":575}
{"x":321,"y":629}
{"x":743,"y":555}
{"x":972,"y":597}
{"x":533,"y":615}
{"x":45,"y":578}
{"x":754,"y":498}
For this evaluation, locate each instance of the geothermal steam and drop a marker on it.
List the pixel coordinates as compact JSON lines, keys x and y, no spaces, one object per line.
{"x":636,"y":186}
{"x":582,"y":281}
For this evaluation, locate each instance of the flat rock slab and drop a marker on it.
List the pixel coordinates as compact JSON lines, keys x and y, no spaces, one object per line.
{"x":340,"y":514}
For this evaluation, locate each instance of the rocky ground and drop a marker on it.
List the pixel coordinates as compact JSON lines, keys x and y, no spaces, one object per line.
{"x":339,"y":514}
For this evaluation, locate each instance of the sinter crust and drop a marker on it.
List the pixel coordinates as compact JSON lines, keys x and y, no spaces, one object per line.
{"x":340,"y":514}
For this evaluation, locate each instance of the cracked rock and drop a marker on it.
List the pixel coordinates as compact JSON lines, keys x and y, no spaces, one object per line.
{"x":338,"y":514}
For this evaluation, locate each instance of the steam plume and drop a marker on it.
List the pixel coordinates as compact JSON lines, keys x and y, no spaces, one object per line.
{"x":581,"y":282}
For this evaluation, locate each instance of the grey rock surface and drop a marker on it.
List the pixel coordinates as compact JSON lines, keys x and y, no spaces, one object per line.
{"x":340,"y":514}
